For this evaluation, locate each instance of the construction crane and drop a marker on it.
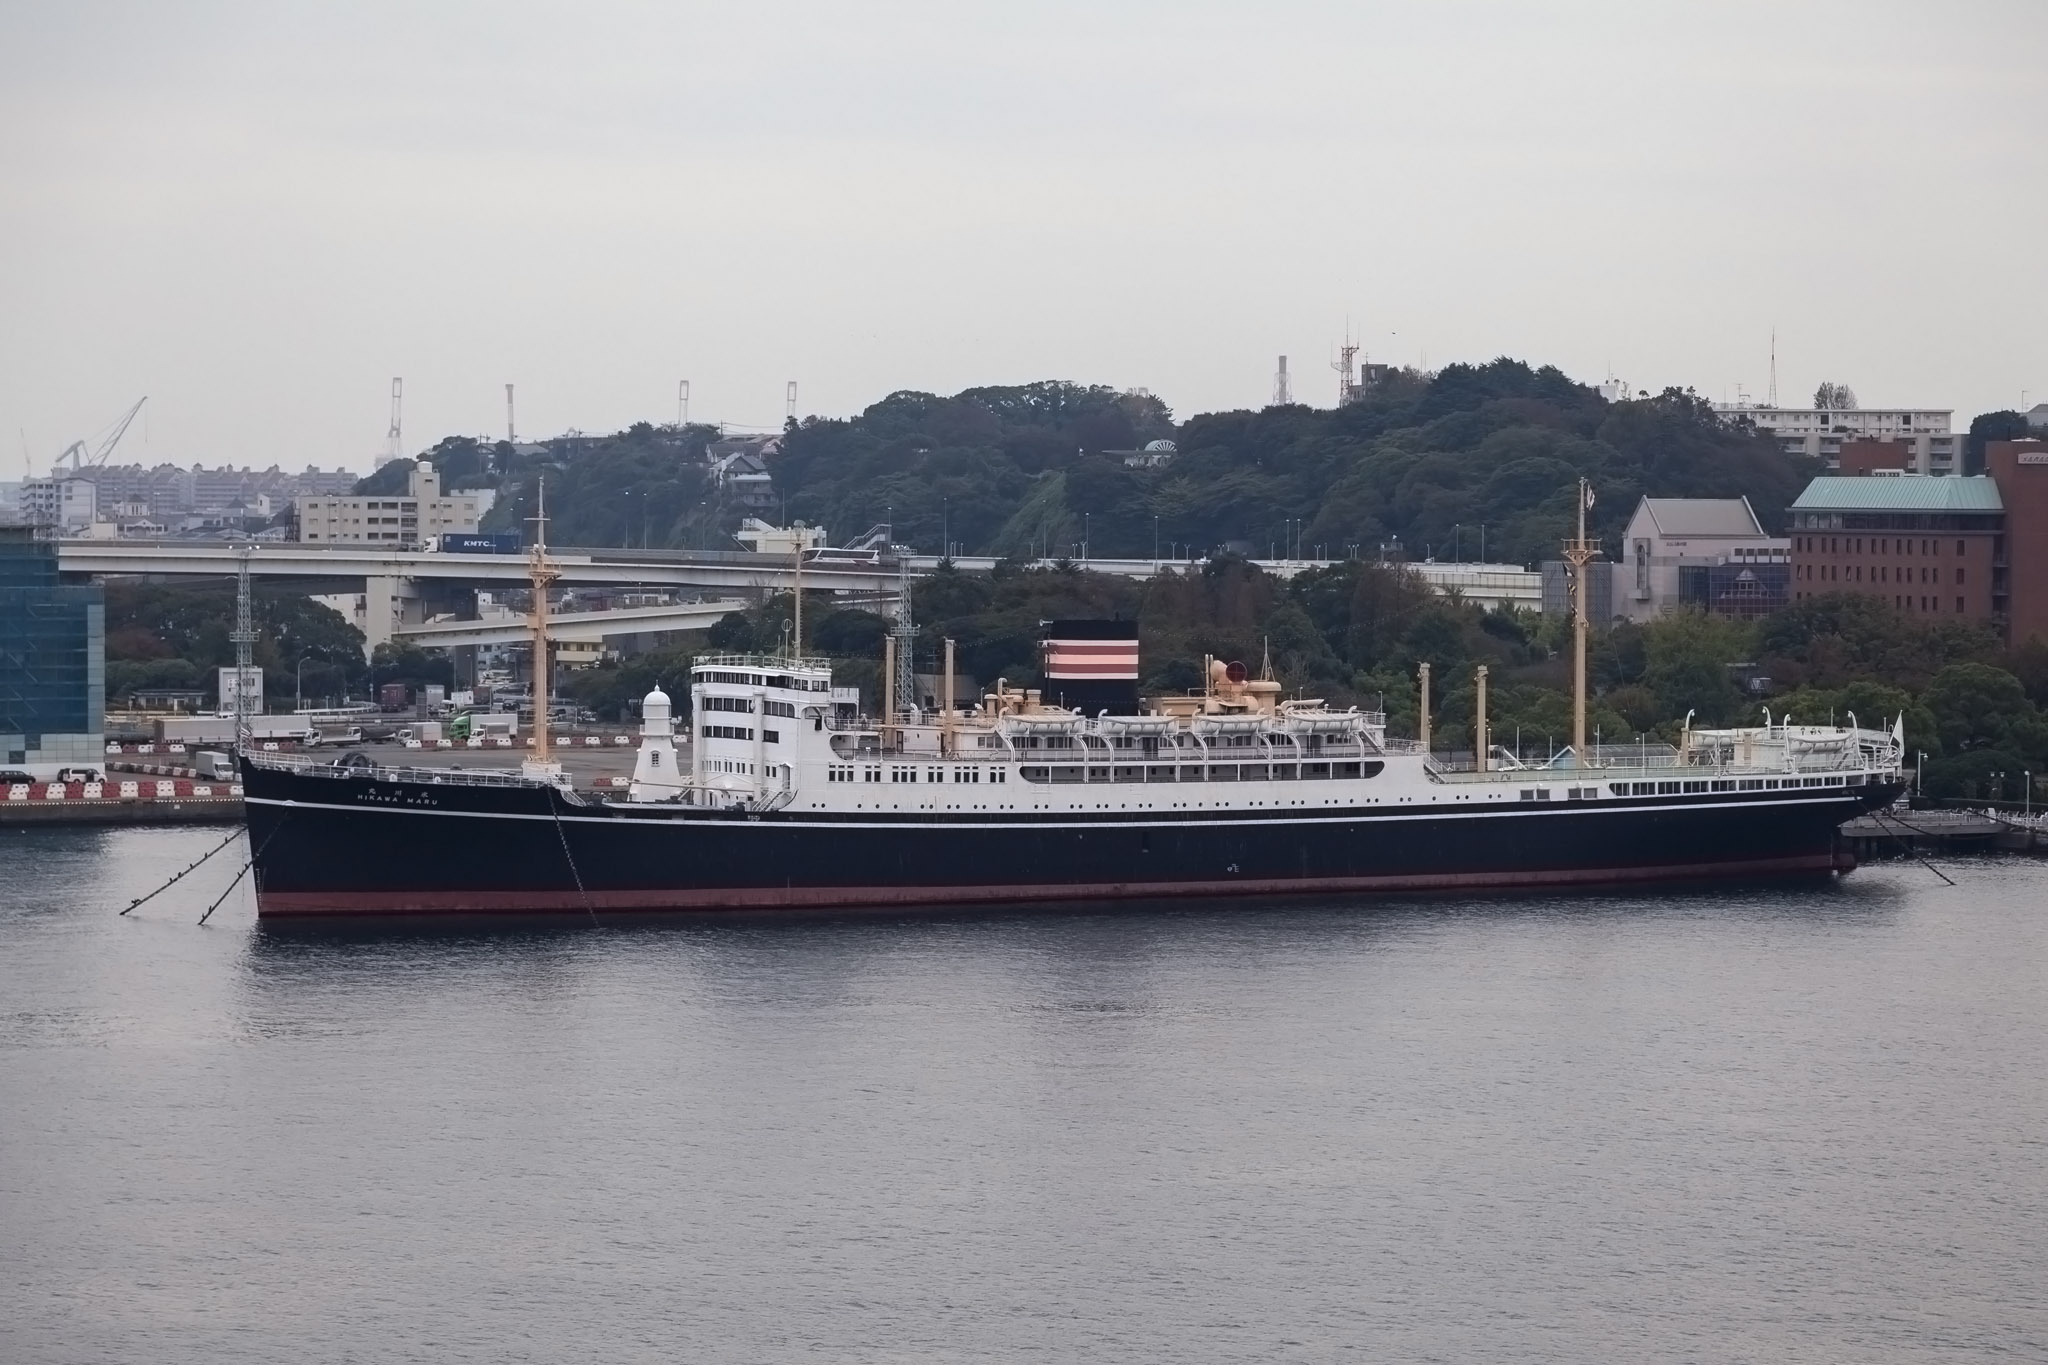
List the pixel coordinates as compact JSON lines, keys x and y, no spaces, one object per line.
{"x":76,"y":452}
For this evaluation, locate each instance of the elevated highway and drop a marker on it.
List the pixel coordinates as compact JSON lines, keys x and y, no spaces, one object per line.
{"x":392,"y":580}
{"x":585,"y":626}
{"x":360,"y":563}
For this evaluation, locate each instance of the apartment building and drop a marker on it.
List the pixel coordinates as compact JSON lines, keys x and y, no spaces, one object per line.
{"x":420,"y":517}
{"x":1821,"y":432}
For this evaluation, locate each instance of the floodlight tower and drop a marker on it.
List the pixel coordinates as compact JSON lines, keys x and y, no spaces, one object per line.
{"x":789,"y":402}
{"x":682,"y":402}
{"x":511,"y":431}
{"x":1282,"y":395}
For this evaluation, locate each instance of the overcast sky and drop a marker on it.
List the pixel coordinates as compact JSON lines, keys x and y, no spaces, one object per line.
{"x":258,"y":214}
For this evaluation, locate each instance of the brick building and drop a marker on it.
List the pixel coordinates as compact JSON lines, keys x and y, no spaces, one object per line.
{"x":1926,"y":543}
{"x":1880,"y":457}
{"x":1960,"y":548}
{"x":2020,"y":469}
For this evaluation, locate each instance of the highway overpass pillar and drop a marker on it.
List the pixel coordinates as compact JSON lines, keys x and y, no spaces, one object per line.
{"x":388,"y":603}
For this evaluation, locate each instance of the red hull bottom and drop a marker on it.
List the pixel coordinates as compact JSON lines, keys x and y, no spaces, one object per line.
{"x":290,"y":904}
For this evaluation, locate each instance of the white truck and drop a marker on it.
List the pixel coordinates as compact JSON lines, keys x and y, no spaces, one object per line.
{"x":191,"y":730}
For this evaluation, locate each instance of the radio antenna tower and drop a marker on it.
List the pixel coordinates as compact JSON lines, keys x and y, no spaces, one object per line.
{"x":1346,"y":366}
{"x":789,"y":401}
{"x":511,"y":432}
{"x":1773,"y":400}
{"x":682,"y":402}
{"x":1282,"y":395}
{"x":397,"y":442}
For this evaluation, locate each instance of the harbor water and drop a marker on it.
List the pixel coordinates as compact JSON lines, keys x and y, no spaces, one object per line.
{"x":1793,"y":1124}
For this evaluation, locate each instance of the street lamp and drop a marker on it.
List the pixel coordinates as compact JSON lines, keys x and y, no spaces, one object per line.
{"x":1086,"y":534}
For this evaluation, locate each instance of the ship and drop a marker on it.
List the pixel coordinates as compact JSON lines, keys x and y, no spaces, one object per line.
{"x":791,"y":796}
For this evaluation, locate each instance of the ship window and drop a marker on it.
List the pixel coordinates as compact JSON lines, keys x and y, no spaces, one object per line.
{"x":1752,"y":784}
{"x":1770,"y":784}
{"x":1666,"y":788}
{"x":1528,"y":793}
{"x":1034,"y":774}
{"x":1219,"y":772}
{"x":1162,"y":773}
{"x":1618,"y":788}
{"x":772,"y":736}
{"x":1723,"y":786}
{"x":996,"y":775}
{"x":1695,"y":786}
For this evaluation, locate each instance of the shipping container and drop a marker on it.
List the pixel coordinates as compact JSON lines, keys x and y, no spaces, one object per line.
{"x":394,"y":696}
{"x":482,"y":543}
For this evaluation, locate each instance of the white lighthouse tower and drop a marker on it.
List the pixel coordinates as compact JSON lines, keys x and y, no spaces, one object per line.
{"x":654,"y":773}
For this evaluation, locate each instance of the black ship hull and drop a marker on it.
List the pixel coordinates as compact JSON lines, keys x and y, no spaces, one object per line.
{"x":328,"y":843}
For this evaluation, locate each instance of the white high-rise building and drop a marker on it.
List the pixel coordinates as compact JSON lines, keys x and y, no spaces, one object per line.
{"x":420,"y":517}
{"x":1820,"y":432}
{"x":67,"y":502}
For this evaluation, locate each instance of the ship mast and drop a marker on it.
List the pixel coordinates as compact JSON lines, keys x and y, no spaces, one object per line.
{"x":541,"y":573}
{"x":1578,"y":554}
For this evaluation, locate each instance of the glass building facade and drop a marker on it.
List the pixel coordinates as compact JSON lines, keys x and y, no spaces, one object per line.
{"x":53,"y":652}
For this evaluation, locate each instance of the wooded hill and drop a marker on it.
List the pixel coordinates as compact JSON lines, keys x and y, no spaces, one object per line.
{"x":1420,"y":465}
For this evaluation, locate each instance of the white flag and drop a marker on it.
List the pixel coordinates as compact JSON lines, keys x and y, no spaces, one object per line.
{"x":1589,"y":497}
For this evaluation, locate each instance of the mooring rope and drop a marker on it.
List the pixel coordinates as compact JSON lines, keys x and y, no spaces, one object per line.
{"x":1910,"y":850}
{"x":234,"y":835}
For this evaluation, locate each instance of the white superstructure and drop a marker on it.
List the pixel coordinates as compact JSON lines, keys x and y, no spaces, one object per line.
{"x":767,"y":736}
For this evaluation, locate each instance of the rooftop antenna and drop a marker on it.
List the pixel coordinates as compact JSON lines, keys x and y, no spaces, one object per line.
{"x":1281,"y":394}
{"x":1772,"y":401}
{"x":682,"y":402}
{"x":510,"y":431}
{"x":397,"y":442}
{"x":789,"y":401}
{"x":1346,"y":366}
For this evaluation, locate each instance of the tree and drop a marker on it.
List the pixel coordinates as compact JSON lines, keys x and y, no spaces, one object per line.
{"x":1830,"y":395}
{"x":2006,"y":425}
{"x":1686,"y":666}
{"x":1976,"y":706}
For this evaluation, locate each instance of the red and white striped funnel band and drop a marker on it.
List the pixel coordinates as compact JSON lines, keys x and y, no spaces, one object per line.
{"x":1091,"y":659}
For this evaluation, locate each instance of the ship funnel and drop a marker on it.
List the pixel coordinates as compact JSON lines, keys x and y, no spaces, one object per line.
{"x":1092,"y":666}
